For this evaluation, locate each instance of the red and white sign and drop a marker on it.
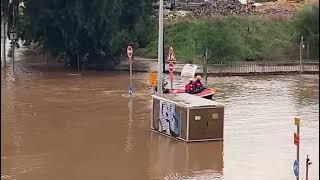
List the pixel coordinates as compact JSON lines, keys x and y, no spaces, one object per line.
{"x":296,"y":139}
{"x":170,"y":67}
{"x":170,"y":50}
{"x":171,"y":57}
{"x":129,"y":52}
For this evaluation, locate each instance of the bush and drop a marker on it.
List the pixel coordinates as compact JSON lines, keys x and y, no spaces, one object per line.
{"x":307,"y":25}
{"x":228,"y":38}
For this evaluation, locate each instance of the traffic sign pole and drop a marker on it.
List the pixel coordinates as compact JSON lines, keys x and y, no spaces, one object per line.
{"x":13,"y":47}
{"x":171,"y":73}
{"x":130,"y":54}
{"x":171,"y":81}
{"x":131,"y":75}
{"x":297,"y":123}
{"x":308,"y":163}
{"x":298,"y":132}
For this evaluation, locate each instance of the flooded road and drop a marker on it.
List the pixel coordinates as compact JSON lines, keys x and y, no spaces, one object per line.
{"x":57,"y":124}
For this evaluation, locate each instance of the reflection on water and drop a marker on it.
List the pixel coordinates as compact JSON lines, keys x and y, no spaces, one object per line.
{"x":60,"y":126}
{"x":175,"y":160}
{"x":129,"y":145}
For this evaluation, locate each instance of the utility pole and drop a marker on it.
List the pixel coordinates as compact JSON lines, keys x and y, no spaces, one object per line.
{"x":4,"y":39}
{"x":160,"y":48}
{"x":163,"y":57}
{"x":13,"y":39}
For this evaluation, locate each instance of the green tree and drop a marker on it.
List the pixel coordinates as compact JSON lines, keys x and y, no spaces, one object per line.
{"x":307,"y":25}
{"x":101,"y":28}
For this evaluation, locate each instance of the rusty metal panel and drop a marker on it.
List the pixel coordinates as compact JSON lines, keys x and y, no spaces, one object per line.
{"x":206,"y":123}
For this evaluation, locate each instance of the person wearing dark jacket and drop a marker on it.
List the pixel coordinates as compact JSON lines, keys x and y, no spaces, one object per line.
{"x":197,"y":85}
{"x":189,"y":87}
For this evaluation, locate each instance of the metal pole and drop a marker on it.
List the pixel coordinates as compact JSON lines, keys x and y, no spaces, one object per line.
{"x":4,"y":45}
{"x":308,"y":45}
{"x":4,"y":39}
{"x":205,"y":68}
{"x":298,"y":132}
{"x":301,"y":43}
{"x":307,"y":167}
{"x":47,"y":59}
{"x":13,"y":46}
{"x":78,"y":62}
{"x":163,"y":55}
{"x":160,"y":47}
{"x":13,"y":41}
{"x":130,"y":72}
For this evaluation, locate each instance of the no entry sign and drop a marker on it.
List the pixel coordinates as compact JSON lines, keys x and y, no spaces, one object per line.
{"x":129,"y":52}
{"x":296,"y":139}
{"x":171,"y":67}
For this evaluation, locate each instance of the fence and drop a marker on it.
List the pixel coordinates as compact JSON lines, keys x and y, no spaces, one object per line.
{"x":263,"y":67}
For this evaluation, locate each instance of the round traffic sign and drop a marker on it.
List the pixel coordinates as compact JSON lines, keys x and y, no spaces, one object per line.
{"x":129,"y":51}
{"x":296,"y":168}
{"x":171,"y":67}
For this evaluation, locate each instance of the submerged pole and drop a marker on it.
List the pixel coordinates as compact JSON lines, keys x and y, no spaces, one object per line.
{"x":160,"y":48}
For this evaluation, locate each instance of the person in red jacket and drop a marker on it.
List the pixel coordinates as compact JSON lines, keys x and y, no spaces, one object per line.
{"x":189,"y":87}
{"x":197,"y":85}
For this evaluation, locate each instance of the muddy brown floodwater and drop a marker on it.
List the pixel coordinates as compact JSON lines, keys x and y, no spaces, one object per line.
{"x":59,"y":125}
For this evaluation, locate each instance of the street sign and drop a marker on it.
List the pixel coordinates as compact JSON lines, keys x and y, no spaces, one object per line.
{"x":170,"y":50}
{"x":171,"y":57}
{"x":153,"y":78}
{"x":129,"y":52}
{"x":13,"y":36}
{"x":296,"y":139}
{"x":130,"y":91}
{"x":296,"y":168}
{"x":170,"y":67}
{"x":297,"y":121}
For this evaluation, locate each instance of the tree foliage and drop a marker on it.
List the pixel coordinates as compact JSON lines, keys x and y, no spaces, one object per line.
{"x":307,"y":25}
{"x":100,"y":28}
{"x":228,"y":38}
{"x":244,"y":38}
